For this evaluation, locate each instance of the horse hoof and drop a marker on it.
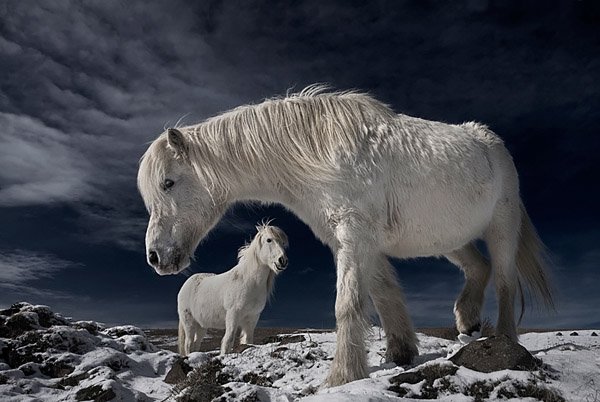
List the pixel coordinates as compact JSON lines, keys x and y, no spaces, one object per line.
{"x":402,"y":356}
{"x":466,"y":338}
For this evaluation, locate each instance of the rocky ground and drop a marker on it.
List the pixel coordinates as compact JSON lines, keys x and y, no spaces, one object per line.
{"x":47,"y":357}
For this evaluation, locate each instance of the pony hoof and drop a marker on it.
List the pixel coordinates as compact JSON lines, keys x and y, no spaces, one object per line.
{"x":466,"y":338}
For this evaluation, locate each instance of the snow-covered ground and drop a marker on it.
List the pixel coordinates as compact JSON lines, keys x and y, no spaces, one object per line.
{"x":45,"y":357}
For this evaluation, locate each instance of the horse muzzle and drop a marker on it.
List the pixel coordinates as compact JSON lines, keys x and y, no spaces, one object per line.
{"x":167,"y":263}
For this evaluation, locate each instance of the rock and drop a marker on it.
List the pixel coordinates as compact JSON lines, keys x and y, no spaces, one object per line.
{"x":411,"y":377}
{"x":594,"y":334}
{"x":21,"y":322}
{"x":56,"y":369}
{"x":559,"y":334}
{"x":73,"y":380}
{"x":284,"y":339}
{"x":573,"y":334}
{"x":90,"y":326}
{"x":121,"y":330}
{"x":178,"y":371}
{"x":95,"y":393}
{"x":241,"y":347}
{"x":493,"y":354}
{"x":15,"y":308}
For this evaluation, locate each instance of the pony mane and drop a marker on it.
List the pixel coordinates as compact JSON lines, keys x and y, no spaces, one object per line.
{"x":248,"y":250}
{"x":265,"y":139}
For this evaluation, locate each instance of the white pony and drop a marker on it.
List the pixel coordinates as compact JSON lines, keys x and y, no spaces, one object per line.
{"x":371,"y":184}
{"x":232,"y":300}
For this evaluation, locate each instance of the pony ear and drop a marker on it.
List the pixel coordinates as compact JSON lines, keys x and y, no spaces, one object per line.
{"x":177,"y":141}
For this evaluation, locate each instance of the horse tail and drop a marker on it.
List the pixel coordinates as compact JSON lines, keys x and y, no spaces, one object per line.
{"x":532,"y":262}
{"x":181,"y":339}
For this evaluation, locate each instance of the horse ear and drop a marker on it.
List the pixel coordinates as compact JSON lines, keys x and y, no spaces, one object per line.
{"x":177,"y":141}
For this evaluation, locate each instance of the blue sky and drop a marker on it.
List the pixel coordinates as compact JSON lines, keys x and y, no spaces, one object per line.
{"x":85,"y":86}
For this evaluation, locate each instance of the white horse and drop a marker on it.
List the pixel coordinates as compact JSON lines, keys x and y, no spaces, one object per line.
{"x":371,"y":184}
{"x":232,"y":300}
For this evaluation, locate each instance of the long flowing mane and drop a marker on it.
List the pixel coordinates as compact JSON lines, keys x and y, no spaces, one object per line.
{"x":310,"y":130}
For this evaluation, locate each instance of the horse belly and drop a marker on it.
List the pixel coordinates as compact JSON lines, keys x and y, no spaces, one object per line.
{"x":435,"y":220}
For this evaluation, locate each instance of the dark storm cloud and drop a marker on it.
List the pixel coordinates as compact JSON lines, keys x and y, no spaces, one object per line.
{"x":22,"y":275}
{"x":95,"y":82}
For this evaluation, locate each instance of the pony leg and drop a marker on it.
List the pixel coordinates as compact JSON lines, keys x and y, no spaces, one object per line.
{"x":502,"y":241}
{"x":248,"y":330}
{"x":200,"y":332}
{"x":477,"y":270}
{"x":231,"y":323}
{"x":388,"y":299}
{"x":349,"y":362}
{"x":188,"y":327}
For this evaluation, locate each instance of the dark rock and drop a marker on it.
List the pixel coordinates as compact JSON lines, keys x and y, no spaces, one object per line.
{"x":30,"y":368}
{"x":117,"y":332}
{"x":573,"y":334}
{"x":95,"y":393}
{"x":178,"y":371}
{"x":241,"y":347}
{"x":493,"y":354}
{"x":21,"y":322}
{"x":279,"y":352}
{"x":292,"y":339}
{"x":434,"y":381}
{"x":90,"y":326}
{"x":56,"y":369}
{"x":17,"y":356}
{"x":594,"y":334}
{"x":559,"y":334}
{"x":73,"y":380}
{"x":411,"y":377}
{"x":284,"y":339}
{"x":15,"y":308}
{"x":3,"y":379}
{"x":46,"y":318}
{"x":205,"y":383}
{"x":257,"y":379}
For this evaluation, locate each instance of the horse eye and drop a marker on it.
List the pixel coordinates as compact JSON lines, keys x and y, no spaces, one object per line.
{"x":168,"y":183}
{"x":268,"y":240}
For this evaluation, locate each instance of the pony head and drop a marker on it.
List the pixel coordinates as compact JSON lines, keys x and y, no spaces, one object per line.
{"x":271,"y":243}
{"x":182,"y":210}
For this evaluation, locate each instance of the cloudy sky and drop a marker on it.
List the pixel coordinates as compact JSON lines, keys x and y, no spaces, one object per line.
{"x":84,"y":86}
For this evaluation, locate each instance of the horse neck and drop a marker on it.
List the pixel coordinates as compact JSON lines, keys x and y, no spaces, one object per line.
{"x":230,"y":177}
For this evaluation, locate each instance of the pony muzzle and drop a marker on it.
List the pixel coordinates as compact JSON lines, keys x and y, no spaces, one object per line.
{"x":281,"y":263}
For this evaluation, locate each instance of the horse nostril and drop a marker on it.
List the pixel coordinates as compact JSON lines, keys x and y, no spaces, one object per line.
{"x":153,"y":257}
{"x":283,"y":261}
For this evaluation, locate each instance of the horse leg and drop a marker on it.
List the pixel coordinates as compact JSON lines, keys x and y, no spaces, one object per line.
{"x":467,"y":308}
{"x":502,"y":238}
{"x":231,"y":323}
{"x":349,"y":362}
{"x":388,"y":299}
{"x":248,"y":327}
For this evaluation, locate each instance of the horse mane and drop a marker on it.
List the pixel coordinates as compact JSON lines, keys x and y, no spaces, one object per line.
{"x":265,"y":139}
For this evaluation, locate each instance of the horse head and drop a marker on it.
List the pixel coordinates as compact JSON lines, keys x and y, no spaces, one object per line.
{"x":182,"y":210}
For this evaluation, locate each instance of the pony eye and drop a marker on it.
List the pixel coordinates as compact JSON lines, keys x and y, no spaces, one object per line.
{"x":268,"y":240}
{"x":168,"y":183}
